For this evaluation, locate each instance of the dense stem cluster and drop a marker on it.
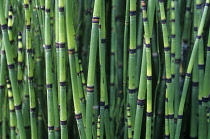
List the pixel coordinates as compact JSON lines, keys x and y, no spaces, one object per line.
{"x":104,"y":69}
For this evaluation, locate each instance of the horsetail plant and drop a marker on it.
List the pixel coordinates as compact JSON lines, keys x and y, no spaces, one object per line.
{"x":126,"y":76}
{"x":91,"y":67}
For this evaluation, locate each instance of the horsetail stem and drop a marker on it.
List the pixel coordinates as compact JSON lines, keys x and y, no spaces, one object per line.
{"x":91,"y":67}
{"x":49,"y":74}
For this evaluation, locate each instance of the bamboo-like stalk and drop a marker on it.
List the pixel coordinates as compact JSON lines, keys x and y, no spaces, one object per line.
{"x":141,"y":97}
{"x":2,"y":81}
{"x":168,"y":70}
{"x":49,"y":70}
{"x":177,"y":62}
{"x":91,"y":68}
{"x":20,"y":60}
{"x":132,"y":62}
{"x":62,"y":70}
{"x":30,"y":67}
{"x":74,"y":68}
{"x":130,"y":136}
{"x":12,"y":118}
{"x":12,"y":73}
{"x":207,"y":75}
{"x":98,"y":128}
{"x":149,"y":73}
{"x":102,"y":52}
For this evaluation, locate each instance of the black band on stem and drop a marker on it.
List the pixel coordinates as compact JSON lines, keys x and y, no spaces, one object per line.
{"x":140,"y":102}
{"x":61,"y":45}
{"x":32,"y":109}
{"x":47,"y":10}
{"x":149,"y":77}
{"x":103,"y":40}
{"x":63,"y":122}
{"x":132,"y":13}
{"x":71,"y":51}
{"x":131,"y":91}
{"x":63,"y":83}
{"x":50,"y":127}
{"x":25,"y":5}
{"x":132,"y":51}
{"x":102,"y":103}
{"x":11,"y":66}
{"x":78,"y":116}
{"x":49,"y":86}
{"x":61,"y":9}
{"x":90,"y":89}
{"x":47,"y":46}
{"x":4,"y":26}
{"x":149,"y":114}
{"x":18,"y":107}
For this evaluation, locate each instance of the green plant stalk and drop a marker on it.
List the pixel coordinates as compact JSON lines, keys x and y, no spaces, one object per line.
{"x":49,"y":70}
{"x":130,"y":136}
{"x":25,"y":107}
{"x":205,"y":105}
{"x":102,"y":52}
{"x":132,"y":62}
{"x":87,"y":21}
{"x":194,"y":101}
{"x":11,"y":30}
{"x":12,"y":73}
{"x":195,"y":85}
{"x":139,"y":47}
{"x":203,"y":130}
{"x":160,"y":107}
{"x":57,"y":49}
{"x":207,"y":74}
{"x":83,"y":83}
{"x":38,"y":77}
{"x":177,"y":62}
{"x":189,"y":70}
{"x":98,"y":128}
{"x":167,"y":132}
{"x":12,"y":117}
{"x":20,"y":61}
{"x":173,"y":48}
{"x":125,"y":54}
{"x":74,"y":68}
{"x":4,"y":111}
{"x":149,"y":73}
{"x":141,"y":97}
{"x":2,"y":80}
{"x":168,"y":70}
{"x":112,"y":63}
{"x":91,"y":68}
{"x":30,"y":67}
{"x":62,"y":70}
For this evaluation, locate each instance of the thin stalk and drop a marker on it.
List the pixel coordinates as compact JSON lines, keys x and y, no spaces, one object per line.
{"x":74,"y":68}
{"x":12,"y":117}
{"x":62,"y":70}
{"x":149,"y":73}
{"x":91,"y":68}
{"x":132,"y":62}
{"x":30,"y":66}
{"x":168,"y":70}
{"x":49,"y":70}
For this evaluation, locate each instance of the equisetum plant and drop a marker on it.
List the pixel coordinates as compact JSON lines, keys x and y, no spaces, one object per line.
{"x":105,"y":69}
